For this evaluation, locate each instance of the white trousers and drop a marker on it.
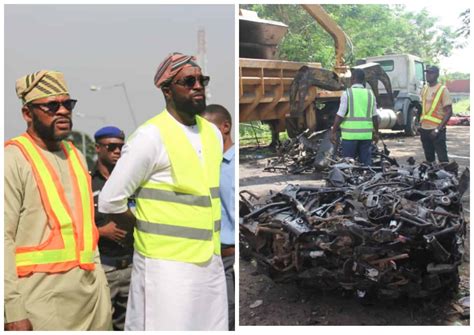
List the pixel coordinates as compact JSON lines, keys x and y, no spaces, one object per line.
{"x":169,"y":295}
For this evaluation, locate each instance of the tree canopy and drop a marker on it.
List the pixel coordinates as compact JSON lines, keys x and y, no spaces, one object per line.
{"x":79,"y":139}
{"x":373,"y":29}
{"x":465,"y":30}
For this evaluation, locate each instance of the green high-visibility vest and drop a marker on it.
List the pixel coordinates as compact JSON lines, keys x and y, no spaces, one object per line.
{"x":358,"y":124}
{"x":181,"y":221}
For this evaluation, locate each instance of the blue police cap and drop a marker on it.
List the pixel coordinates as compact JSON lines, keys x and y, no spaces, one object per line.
{"x":109,"y":131}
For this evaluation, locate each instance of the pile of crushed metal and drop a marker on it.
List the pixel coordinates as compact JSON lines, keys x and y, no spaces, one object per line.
{"x":313,"y":151}
{"x":384,"y":232}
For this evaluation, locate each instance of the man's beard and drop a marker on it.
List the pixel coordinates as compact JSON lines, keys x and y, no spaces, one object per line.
{"x":189,"y":107}
{"x":47,"y":133}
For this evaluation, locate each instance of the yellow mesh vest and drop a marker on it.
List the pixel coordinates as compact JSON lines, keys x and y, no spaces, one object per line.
{"x":181,"y":221}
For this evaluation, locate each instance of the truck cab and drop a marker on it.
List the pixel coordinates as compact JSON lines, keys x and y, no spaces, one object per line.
{"x":406,"y":73}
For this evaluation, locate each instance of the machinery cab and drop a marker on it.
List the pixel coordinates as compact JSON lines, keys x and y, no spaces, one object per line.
{"x":405,"y":72}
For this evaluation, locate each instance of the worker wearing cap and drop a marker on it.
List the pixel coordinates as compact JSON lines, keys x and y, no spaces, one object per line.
{"x":436,"y":111}
{"x":53,"y":277}
{"x":357,"y":119}
{"x":115,"y":243}
{"x":172,"y":162}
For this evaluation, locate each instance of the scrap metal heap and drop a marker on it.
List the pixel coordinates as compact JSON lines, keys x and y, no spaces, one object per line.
{"x":383,"y":232}
{"x":313,"y":151}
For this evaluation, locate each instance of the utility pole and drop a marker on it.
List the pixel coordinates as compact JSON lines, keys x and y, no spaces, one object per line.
{"x":202,"y":58}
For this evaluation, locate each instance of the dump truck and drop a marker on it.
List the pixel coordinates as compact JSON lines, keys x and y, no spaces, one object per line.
{"x":295,"y":96}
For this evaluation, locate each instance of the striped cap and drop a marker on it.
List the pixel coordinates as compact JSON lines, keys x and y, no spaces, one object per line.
{"x":171,"y":66}
{"x":40,"y":84}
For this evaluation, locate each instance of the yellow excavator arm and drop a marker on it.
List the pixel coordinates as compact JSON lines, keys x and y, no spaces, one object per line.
{"x":336,"y":32}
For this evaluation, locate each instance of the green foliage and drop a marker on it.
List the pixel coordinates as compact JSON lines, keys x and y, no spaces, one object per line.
{"x":256,"y":133}
{"x":465,"y":30}
{"x":78,"y":138}
{"x":462,"y":107}
{"x":373,"y":29}
{"x":454,"y":76}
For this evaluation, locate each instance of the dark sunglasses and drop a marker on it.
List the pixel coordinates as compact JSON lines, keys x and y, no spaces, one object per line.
{"x":112,"y":146}
{"x":53,"y":106}
{"x":190,"y":81}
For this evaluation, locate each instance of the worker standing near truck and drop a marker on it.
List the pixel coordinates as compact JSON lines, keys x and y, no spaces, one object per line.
{"x":53,"y":277}
{"x":357,"y":120}
{"x":437,"y":109}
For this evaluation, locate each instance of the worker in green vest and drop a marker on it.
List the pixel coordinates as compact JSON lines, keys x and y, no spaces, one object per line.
{"x":357,"y":120}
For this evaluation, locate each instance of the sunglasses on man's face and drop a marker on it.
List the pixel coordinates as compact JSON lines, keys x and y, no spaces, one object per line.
{"x":53,"y":106}
{"x":190,"y":81}
{"x":112,"y":146}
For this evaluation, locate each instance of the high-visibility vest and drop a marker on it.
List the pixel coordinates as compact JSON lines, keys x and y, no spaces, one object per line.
{"x":73,"y":238}
{"x":358,"y":124}
{"x":433,"y":114}
{"x":180,"y":221}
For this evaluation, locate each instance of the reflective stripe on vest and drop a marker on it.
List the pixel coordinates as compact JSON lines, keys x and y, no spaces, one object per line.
{"x":73,"y":237}
{"x":432,"y":115}
{"x":358,"y":124}
{"x":181,"y":221}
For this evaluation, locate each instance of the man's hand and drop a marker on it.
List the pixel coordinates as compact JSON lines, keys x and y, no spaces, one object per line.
{"x":112,"y":232}
{"x":18,"y":325}
{"x":333,"y":137}
{"x":375,"y":137}
{"x":434,"y":133}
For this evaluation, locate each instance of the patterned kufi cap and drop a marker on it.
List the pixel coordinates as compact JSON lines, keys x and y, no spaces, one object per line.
{"x":40,"y":84}
{"x":171,"y":66}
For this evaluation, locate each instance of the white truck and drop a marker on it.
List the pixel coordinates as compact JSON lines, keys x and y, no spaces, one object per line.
{"x":406,"y":73}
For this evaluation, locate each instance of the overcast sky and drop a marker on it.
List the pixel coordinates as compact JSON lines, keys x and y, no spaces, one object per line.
{"x":104,"y":45}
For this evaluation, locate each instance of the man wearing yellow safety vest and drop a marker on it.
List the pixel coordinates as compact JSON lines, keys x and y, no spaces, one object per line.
{"x":172,"y":164}
{"x":437,"y":109}
{"x":357,"y":120}
{"x":53,"y":277}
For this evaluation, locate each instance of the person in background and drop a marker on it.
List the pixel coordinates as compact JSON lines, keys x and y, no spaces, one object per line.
{"x":53,"y":277}
{"x":115,"y":244}
{"x":172,"y":163}
{"x":357,"y":119}
{"x":436,"y":111}
{"x":221,"y":117}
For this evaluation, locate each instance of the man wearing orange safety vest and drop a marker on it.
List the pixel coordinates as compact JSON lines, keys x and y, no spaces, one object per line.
{"x":53,"y":278}
{"x":437,"y":109}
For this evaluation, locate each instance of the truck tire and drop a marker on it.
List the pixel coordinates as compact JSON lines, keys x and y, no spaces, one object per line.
{"x":411,"y":128}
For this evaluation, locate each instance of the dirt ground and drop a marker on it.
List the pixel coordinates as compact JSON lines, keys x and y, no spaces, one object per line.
{"x":263,"y":302}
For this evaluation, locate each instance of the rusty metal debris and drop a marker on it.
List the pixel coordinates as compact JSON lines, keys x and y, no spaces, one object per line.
{"x":313,"y":151}
{"x":384,"y":231}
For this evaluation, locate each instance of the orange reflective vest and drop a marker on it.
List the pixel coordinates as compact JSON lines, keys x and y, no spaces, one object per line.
{"x":432,"y":115}
{"x":73,"y":238}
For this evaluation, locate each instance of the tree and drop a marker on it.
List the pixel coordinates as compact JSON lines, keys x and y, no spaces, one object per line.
{"x":373,"y":30}
{"x":455,"y":76}
{"x":79,"y":139}
{"x":465,"y":30}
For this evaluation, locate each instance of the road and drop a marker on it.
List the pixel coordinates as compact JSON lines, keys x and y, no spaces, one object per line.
{"x":263,"y":302}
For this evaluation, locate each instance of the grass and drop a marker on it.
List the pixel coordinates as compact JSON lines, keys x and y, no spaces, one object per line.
{"x":462,"y":107}
{"x":256,"y":133}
